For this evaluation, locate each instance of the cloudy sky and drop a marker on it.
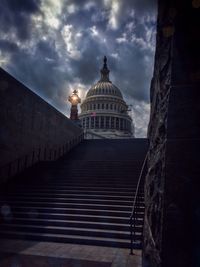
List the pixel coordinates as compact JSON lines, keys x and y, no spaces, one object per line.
{"x":55,"y":46}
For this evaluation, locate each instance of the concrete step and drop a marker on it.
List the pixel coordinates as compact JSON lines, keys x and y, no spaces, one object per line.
{"x":66,"y":211}
{"x":75,"y":216}
{"x":109,"y":185}
{"x":73,"y":191}
{"x":66,"y":200}
{"x":68,"y":230}
{"x":24,"y":204}
{"x":97,"y":241}
{"x":72,"y":196}
{"x":72,"y":188}
{"x":83,"y":224}
{"x":62,"y":214}
{"x":68,"y":187}
{"x":35,"y":210}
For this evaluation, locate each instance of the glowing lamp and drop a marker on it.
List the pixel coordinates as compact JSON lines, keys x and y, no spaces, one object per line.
{"x":74,"y":99}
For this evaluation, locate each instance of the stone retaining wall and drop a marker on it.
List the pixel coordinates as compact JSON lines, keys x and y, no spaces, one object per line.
{"x":171,"y":230}
{"x":31,"y":130}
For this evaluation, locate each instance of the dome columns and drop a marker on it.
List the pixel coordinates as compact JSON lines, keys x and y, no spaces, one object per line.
{"x":106,"y":123}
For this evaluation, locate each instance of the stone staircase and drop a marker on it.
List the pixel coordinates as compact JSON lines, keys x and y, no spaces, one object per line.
{"x":84,"y":198}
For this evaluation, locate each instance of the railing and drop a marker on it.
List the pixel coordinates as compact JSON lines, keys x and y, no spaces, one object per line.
{"x":40,"y":154}
{"x":136,"y":204}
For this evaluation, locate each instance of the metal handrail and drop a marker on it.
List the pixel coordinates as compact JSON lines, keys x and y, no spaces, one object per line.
{"x":133,"y":213}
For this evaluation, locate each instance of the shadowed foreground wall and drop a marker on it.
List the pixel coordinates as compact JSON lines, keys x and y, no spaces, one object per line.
{"x":172,"y":192}
{"x":31,"y":130}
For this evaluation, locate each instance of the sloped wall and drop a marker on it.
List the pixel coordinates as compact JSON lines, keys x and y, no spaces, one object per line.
{"x":31,"y":130}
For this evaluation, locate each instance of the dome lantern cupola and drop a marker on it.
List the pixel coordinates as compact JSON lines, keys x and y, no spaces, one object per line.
{"x":105,"y":71}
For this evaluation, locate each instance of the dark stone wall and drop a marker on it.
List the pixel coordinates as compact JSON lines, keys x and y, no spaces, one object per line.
{"x":172,"y":193}
{"x":31,"y":130}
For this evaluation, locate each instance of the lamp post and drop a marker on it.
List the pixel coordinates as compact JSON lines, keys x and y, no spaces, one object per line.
{"x":74,"y":99}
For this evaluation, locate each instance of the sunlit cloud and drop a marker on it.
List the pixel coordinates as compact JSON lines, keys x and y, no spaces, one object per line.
{"x":122,"y":39}
{"x":52,"y":11}
{"x":94,"y":31}
{"x":71,"y":41}
{"x":114,"y":6}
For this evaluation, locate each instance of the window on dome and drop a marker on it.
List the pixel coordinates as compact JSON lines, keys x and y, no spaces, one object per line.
{"x":111,"y":106}
{"x":121,"y":124}
{"x":83,"y":123}
{"x":112,"y":122}
{"x":129,"y":126}
{"x":87,"y":122}
{"x":106,"y":106}
{"x":103,"y":106}
{"x":97,"y":123}
{"x":115,"y":107}
{"x":102,"y":122}
{"x":92,"y":122}
{"x":107,"y":122}
{"x":98,"y":106}
{"x":117,"y":123}
{"x":94,"y":107}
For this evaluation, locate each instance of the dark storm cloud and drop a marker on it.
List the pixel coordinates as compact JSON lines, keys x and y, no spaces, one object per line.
{"x":45,"y":77}
{"x":131,"y":67}
{"x":15,"y":15}
{"x":54,"y":46}
{"x":8,"y":46}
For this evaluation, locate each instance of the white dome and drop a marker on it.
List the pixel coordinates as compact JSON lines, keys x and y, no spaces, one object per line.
{"x":104,"y":88}
{"x":104,"y":113}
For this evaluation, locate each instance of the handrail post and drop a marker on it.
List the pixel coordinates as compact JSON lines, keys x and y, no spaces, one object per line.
{"x":131,"y":230}
{"x":134,"y":211}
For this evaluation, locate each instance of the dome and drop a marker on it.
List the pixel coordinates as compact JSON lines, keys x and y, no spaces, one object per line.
{"x":104,"y":113}
{"x":104,"y":88}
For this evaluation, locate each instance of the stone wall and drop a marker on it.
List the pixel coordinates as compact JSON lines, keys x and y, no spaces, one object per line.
{"x":31,"y":129}
{"x":171,"y":230}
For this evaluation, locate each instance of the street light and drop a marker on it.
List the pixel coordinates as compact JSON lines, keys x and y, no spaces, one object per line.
{"x":74,"y":99}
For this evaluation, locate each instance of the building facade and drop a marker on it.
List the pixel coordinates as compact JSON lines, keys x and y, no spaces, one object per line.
{"x":104,"y":113}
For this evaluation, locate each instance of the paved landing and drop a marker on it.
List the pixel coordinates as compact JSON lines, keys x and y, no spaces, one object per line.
{"x":15,"y":253}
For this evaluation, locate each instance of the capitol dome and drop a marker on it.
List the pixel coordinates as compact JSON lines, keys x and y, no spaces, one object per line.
{"x":104,"y":88}
{"x":104,"y":113}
